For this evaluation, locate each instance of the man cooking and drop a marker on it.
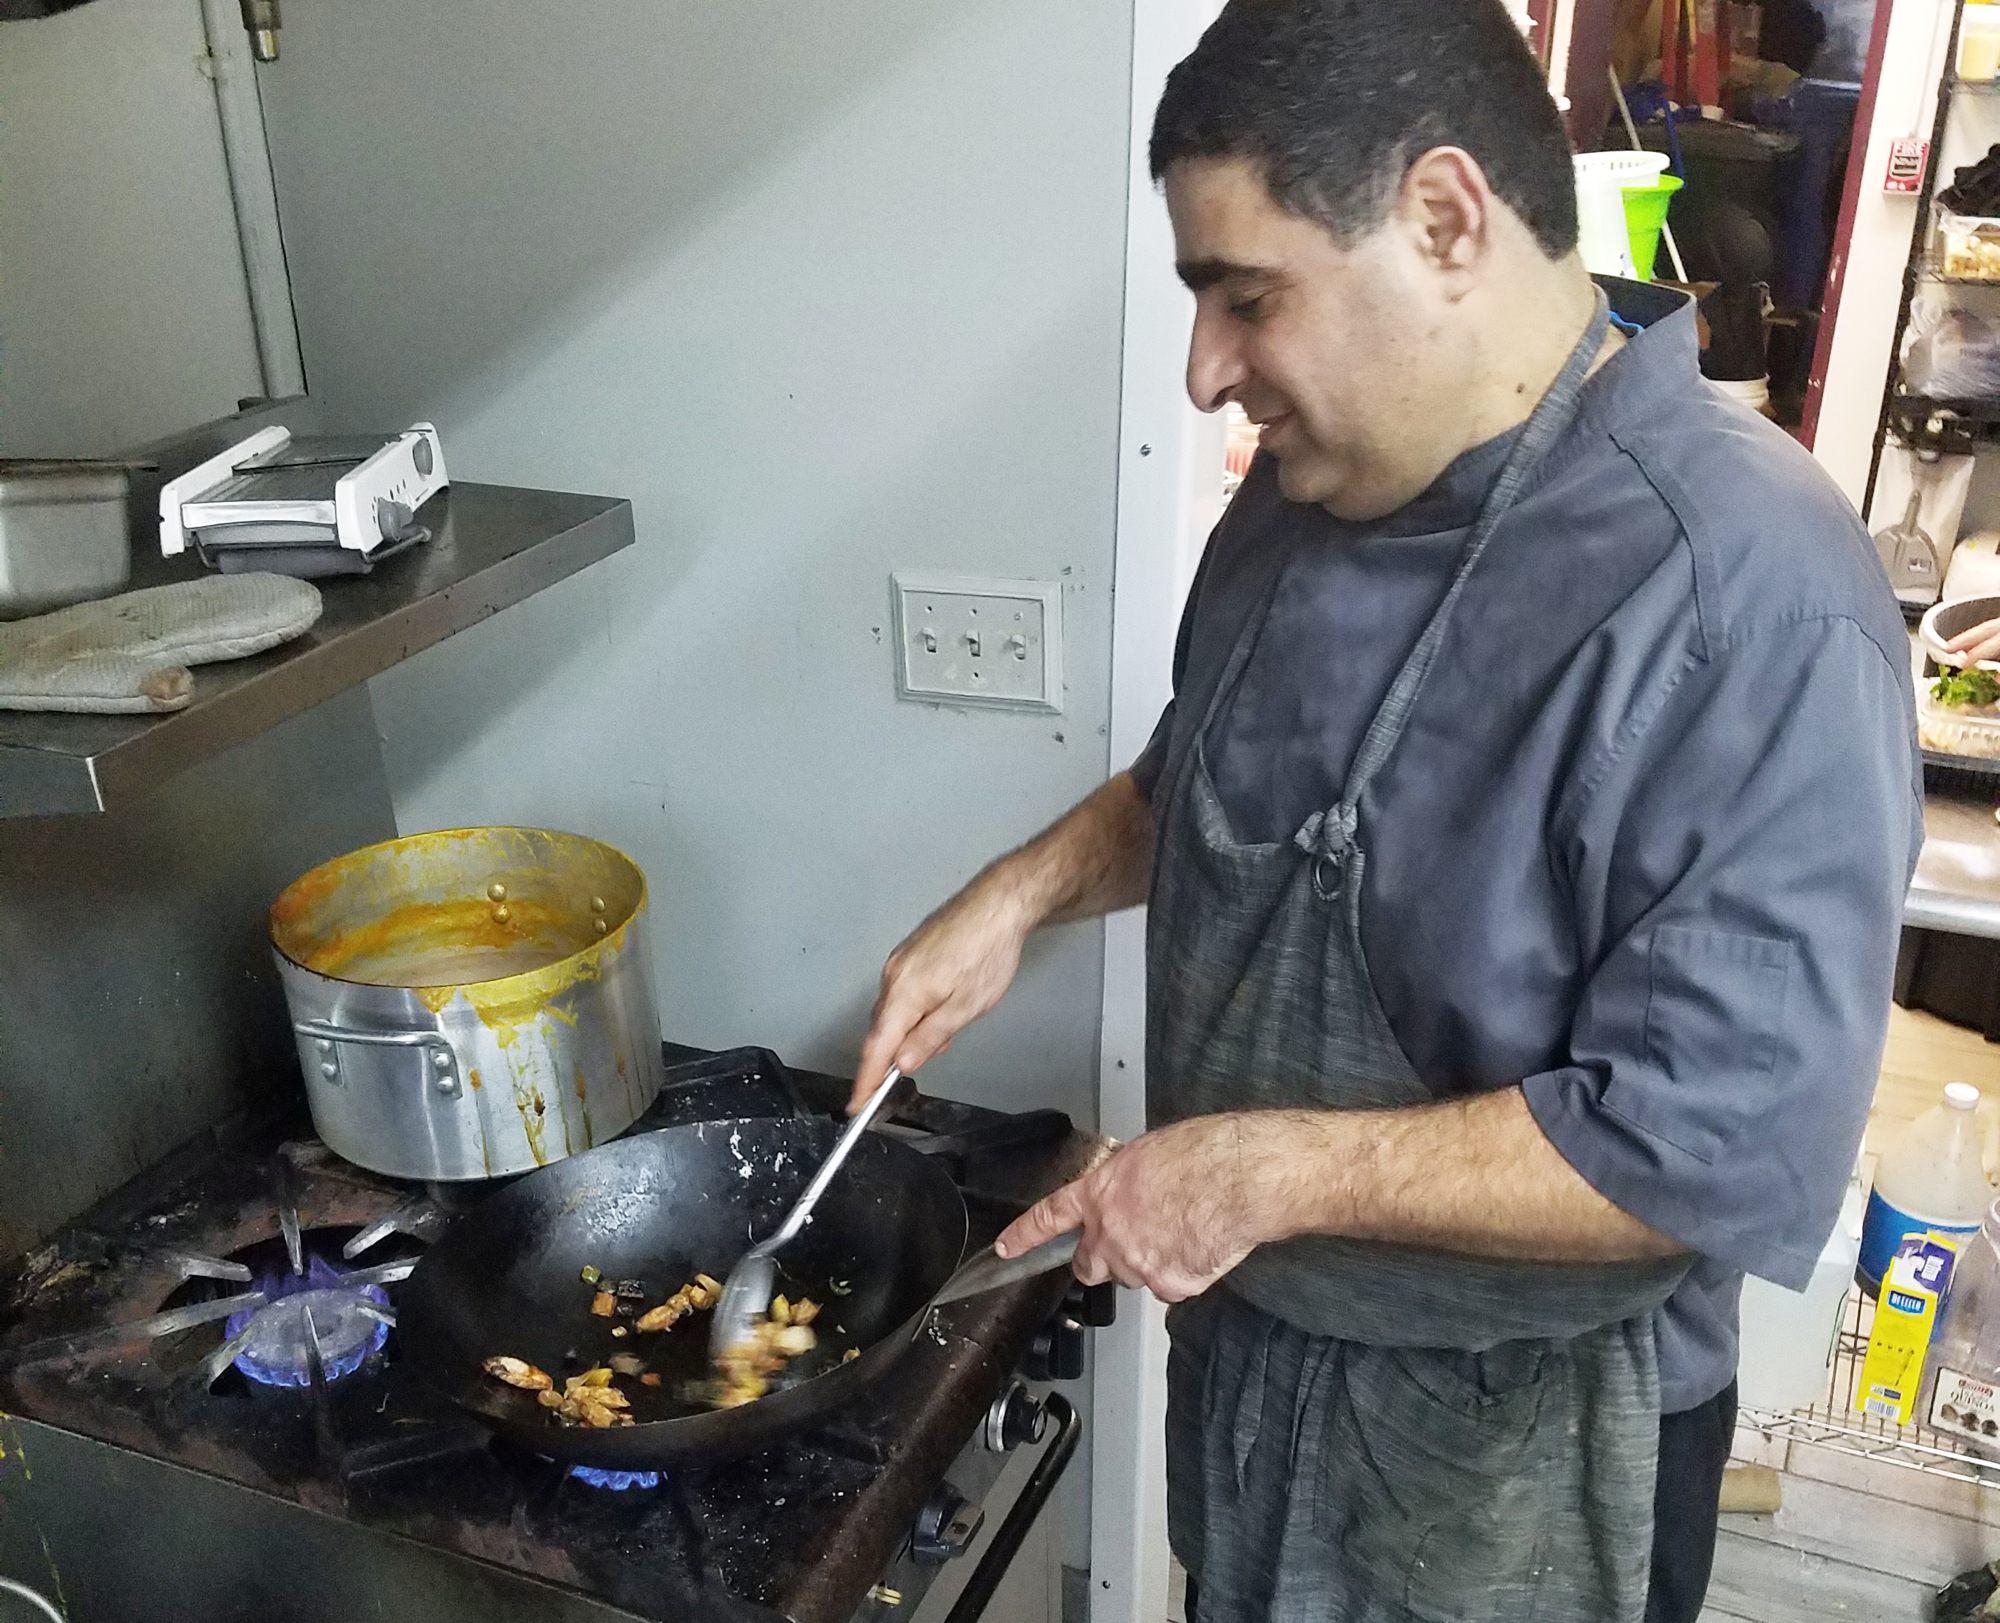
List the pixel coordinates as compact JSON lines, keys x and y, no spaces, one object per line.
{"x":1524,"y":848}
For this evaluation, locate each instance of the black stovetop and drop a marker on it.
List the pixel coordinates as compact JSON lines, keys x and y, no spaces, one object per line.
{"x":804,"y":1530}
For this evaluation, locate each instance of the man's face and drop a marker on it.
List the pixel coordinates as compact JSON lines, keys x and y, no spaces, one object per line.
{"x":1326,"y":347}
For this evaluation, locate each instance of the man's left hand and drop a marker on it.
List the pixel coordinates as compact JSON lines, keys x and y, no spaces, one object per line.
{"x":1171,"y":1212}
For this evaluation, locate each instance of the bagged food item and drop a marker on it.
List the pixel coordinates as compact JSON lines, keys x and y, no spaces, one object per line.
{"x":1950,"y":353}
{"x":1975,"y":187}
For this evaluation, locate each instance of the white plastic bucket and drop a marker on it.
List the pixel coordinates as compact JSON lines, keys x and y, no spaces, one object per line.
{"x":1627,"y":168}
{"x":1752,"y":392}
{"x":1601,"y":178}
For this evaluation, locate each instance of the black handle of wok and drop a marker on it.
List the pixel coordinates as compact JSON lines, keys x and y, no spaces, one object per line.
{"x":999,"y":1556}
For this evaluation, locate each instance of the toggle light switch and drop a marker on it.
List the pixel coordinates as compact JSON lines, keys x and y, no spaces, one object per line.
{"x":966,"y":639}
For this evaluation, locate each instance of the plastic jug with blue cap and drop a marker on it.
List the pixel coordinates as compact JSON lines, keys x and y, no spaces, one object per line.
{"x":1932,"y":1178}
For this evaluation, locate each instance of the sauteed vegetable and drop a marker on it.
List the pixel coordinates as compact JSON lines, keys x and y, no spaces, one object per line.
{"x":590,"y":1399}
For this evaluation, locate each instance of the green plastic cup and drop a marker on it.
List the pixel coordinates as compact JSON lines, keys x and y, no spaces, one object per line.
{"x":1645,"y":212}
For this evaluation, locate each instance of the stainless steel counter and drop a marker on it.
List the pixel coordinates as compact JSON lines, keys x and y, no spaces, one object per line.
{"x":1956,"y":887}
{"x":1957,"y":883}
{"x":493,"y":545}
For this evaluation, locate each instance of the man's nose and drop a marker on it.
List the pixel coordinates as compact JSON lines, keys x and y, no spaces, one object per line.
{"x":1215,"y":364}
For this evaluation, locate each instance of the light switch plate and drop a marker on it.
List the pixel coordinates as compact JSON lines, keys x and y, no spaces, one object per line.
{"x":964,"y":639}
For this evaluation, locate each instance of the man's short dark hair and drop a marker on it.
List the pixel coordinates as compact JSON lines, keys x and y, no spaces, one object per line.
{"x":1333,"y":100}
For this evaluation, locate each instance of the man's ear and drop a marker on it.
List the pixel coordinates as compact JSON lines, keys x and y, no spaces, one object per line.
{"x":1448,"y":213}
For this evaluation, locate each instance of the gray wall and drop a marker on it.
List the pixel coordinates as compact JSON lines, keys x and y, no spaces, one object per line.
{"x":827,"y":290}
{"x":124,"y":315}
{"x":138,"y":1002}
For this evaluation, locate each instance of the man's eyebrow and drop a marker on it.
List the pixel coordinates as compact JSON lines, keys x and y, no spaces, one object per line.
{"x":1201,"y":274}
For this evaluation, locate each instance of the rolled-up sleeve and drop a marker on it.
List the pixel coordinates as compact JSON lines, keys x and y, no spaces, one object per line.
{"x":1747,"y":866}
{"x":1152,"y":759}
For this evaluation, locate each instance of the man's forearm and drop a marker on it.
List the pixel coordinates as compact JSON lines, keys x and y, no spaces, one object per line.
{"x":1096,"y":859}
{"x":1475,"y":1176}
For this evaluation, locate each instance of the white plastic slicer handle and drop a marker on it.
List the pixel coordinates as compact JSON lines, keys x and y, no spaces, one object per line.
{"x":204,"y":477}
{"x":407,"y":472}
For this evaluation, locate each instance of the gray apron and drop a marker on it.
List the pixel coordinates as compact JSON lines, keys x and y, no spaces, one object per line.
{"x":1357,"y":1430}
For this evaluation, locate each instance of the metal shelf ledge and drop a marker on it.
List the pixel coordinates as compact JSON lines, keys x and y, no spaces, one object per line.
{"x":492,"y":546}
{"x":1835,"y":1425}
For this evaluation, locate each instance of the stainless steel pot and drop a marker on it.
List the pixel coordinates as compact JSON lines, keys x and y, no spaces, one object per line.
{"x":63,"y":534}
{"x":471,"y":1003}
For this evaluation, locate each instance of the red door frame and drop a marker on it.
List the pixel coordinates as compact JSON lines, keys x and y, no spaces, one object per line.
{"x":1843,"y":236}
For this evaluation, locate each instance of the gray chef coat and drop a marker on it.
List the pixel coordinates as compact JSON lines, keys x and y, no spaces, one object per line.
{"x":1644,"y":846}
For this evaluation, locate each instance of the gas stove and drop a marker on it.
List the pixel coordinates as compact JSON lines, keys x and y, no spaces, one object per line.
{"x":203,"y":1414}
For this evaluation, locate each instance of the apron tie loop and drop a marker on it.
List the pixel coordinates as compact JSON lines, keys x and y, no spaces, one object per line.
{"x":1327,"y":837}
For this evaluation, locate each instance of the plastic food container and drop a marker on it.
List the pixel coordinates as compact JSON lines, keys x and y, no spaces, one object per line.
{"x":1968,"y":247}
{"x":63,"y":535}
{"x":1979,"y":43}
{"x":1956,"y":731}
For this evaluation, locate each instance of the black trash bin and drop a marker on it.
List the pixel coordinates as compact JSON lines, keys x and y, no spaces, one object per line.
{"x":1728,"y":218}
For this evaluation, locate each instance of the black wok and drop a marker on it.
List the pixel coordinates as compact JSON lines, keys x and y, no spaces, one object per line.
{"x":506,"y":1278}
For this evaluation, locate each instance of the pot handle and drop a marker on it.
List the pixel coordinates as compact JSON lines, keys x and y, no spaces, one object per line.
{"x":328,"y":1039}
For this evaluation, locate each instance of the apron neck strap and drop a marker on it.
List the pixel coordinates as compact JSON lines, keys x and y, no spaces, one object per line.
{"x":1331,"y":832}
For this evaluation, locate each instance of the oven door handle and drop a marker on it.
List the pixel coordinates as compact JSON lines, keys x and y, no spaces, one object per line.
{"x":985,"y":1580}
{"x":328,"y":1039}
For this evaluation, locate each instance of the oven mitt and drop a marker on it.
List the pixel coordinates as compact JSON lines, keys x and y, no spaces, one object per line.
{"x":131,"y":653}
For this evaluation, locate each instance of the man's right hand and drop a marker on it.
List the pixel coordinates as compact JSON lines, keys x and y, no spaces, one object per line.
{"x":953,"y":968}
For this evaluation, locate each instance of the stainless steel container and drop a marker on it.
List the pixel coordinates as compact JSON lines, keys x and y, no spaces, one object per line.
{"x":63,"y":535}
{"x":473,"y":1002}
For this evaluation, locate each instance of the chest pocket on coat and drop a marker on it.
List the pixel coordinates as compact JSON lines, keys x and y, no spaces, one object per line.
{"x":1715,"y":1010}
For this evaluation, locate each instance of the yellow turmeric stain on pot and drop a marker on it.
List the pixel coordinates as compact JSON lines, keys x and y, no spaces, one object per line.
{"x":481,"y":932}
{"x":533,"y":1109}
{"x":583,"y":1104}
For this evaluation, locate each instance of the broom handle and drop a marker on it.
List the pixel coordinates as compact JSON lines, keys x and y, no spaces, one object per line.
{"x":1632,"y":134}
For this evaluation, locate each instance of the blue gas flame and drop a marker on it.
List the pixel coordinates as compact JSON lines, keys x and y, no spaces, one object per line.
{"x":319,"y":1275}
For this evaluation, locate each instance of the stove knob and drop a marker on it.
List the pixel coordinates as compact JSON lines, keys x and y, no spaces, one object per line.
{"x":1057,"y":1351}
{"x":946,"y":1526}
{"x":1094,"y":1305}
{"x":1016,"y":1417}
